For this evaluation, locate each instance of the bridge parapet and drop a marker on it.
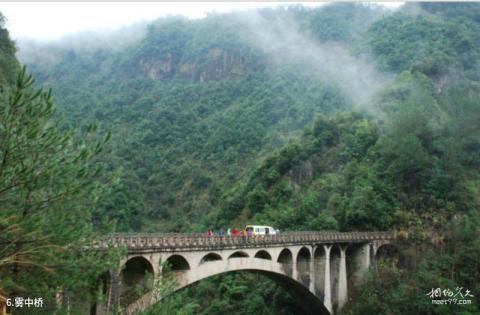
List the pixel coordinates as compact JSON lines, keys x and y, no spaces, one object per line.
{"x":200,"y":241}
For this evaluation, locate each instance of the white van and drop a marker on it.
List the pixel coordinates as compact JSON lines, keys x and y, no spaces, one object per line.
{"x":260,"y":230}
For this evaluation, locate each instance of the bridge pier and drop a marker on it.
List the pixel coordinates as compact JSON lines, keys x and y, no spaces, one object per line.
{"x":371,"y":254}
{"x":367,"y":258}
{"x":327,"y":299}
{"x":342,"y":279}
{"x":312,"y":270}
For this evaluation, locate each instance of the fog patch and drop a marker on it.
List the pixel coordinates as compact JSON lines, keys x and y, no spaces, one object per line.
{"x":85,"y":43}
{"x":286,"y":43}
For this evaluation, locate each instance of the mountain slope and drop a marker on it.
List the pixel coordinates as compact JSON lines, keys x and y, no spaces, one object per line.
{"x":203,"y":101}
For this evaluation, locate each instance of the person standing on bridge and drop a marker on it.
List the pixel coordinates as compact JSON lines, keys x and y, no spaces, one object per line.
{"x":210,"y":233}
{"x":235,"y":232}
{"x":229,"y":232}
{"x":221,"y":232}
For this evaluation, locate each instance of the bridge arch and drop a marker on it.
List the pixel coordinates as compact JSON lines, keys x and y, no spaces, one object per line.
{"x":238,"y":254}
{"x":319,"y":260}
{"x":136,"y":278}
{"x":303,"y":265}
{"x":177,"y":263}
{"x":285,"y":258}
{"x":263,"y":254}
{"x":357,"y":263}
{"x":389,"y":255}
{"x":210,"y":257}
{"x":310,"y":303}
{"x":335,"y":256}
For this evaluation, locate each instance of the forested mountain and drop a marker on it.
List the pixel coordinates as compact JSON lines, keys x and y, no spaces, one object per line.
{"x":197,"y":96}
{"x":345,"y":117}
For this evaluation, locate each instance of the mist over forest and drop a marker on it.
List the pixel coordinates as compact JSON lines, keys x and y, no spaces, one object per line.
{"x":345,"y":117}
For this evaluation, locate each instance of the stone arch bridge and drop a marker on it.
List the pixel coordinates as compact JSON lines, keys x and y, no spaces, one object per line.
{"x":317,"y":268}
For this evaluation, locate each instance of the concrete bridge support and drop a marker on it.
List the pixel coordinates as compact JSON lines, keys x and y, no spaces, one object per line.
{"x":312,"y":270}
{"x":342,"y":280}
{"x":327,"y":299}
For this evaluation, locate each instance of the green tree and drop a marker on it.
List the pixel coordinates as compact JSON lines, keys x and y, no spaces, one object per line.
{"x":50,"y":181}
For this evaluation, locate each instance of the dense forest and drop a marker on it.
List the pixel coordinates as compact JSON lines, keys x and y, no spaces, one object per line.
{"x":343,"y":117}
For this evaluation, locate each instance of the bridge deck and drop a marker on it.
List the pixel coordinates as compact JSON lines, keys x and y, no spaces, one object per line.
{"x":194,"y":242}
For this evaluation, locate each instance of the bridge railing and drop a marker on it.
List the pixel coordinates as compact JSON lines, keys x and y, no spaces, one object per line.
{"x":201,"y":240}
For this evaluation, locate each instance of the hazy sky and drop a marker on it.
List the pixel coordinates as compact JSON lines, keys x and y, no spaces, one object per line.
{"x":51,"y":20}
